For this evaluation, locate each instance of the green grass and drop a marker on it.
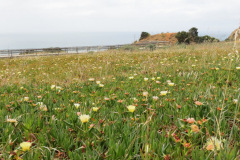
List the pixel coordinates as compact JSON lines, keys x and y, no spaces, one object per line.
{"x":157,"y":129}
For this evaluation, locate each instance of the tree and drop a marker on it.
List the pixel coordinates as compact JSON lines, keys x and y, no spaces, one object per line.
{"x":193,"y":34}
{"x":182,"y":37}
{"x":144,"y":35}
{"x":207,"y":38}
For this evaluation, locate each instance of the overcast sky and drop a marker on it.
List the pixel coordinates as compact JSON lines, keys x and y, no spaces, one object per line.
{"x":37,"y":16}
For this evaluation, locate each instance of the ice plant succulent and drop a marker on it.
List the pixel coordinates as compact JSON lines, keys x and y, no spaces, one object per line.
{"x":25,"y":146}
{"x":84,"y":118}
{"x":131,"y":108}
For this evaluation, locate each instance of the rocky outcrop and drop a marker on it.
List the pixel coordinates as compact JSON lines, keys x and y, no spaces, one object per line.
{"x":234,"y":34}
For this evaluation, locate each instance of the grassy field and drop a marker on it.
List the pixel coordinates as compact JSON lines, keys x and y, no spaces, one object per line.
{"x":180,"y":102}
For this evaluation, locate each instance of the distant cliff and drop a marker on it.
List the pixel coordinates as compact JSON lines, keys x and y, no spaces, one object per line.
{"x":232,"y":36}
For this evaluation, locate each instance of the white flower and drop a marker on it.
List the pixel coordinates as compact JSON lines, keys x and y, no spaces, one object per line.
{"x":155,"y":98}
{"x":91,"y":79}
{"x":39,"y":103}
{"x":145,"y":79}
{"x":76,"y":105}
{"x":26,"y":99}
{"x":145,"y":94}
{"x":235,"y":101}
{"x":213,"y":144}
{"x":98,"y":82}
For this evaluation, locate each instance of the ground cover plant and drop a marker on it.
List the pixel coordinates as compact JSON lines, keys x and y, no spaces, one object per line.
{"x":180,"y":102}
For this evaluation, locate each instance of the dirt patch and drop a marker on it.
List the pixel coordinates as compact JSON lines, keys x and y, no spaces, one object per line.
{"x":170,"y":37}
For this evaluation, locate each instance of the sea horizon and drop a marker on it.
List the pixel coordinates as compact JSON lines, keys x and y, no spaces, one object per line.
{"x":73,"y":39}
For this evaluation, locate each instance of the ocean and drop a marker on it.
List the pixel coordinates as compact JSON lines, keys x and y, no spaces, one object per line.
{"x":72,"y":39}
{"x":45,"y":40}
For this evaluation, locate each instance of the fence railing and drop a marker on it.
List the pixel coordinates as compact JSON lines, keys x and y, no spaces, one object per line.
{"x":67,"y":50}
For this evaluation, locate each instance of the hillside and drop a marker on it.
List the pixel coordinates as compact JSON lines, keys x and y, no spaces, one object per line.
{"x":232,"y":36}
{"x":161,"y":37}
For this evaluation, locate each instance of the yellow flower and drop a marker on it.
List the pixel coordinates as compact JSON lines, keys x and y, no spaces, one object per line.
{"x":58,"y":88}
{"x":101,"y":85}
{"x":12,"y":120}
{"x":213,"y":144}
{"x":216,"y":69}
{"x":171,"y":84}
{"x":130,"y":77}
{"x":153,"y":78}
{"x":25,"y":146}
{"x":95,"y":109}
{"x":53,"y":86}
{"x":84,"y":118}
{"x":98,"y":82}
{"x":163,"y":93}
{"x":237,"y":68}
{"x":26,"y":99}
{"x":145,"y":79}
{"x":131,"y":108}
{"x":158,"y":78}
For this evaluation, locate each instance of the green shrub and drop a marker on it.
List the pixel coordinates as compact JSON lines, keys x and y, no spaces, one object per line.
{"x":182,"y":37}
{"x":144,"y":35}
